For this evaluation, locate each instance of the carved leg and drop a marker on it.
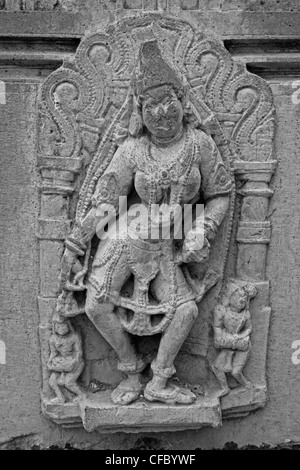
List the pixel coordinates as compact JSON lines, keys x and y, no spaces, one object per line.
{"x":222,"y":366}
{"x":107,"y":323}
{"x":239,"y":362}
{"x":163,"y":367}
{"x":53,"y":382}
{"x":222,"y":379}
{"x":129,"y":390}
{"x":109,"y":326}
{"x":71,"y":380}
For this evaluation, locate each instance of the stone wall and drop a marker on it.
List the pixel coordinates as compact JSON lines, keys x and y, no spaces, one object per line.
{"x":263,"y":34}
{"x":37,"y":5}
{"x":186,"y":5}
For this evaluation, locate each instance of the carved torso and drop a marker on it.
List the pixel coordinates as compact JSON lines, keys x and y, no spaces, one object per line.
{"x":171,"y":175}
{"x":167,"y":175}
{"x":234,"y":322}
{"x":64,"y":345}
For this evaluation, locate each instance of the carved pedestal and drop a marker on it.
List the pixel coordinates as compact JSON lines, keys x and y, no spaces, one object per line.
{"x":98,"y":413}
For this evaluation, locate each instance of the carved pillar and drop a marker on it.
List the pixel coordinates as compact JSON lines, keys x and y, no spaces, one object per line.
{"x":56,"y":188}
{"x":253,"y":237}
{"x":254,"y":230}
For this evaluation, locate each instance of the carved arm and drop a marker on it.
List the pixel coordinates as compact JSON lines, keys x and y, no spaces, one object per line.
{"x":223,"y":339}
{"x":215,"y":212}
{"x":248,"y":329}
{"x":116,"y":181}
{"x":53,"y":353}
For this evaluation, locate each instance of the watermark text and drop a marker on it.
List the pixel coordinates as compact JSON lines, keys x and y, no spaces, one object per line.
{"x":2,"y":353}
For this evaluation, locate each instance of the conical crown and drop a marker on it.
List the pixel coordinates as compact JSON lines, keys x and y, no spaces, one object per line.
{"x":154,"y":71}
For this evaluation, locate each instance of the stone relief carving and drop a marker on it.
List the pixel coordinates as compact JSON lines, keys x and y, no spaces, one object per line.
{"x":232,"y":330}
{"x":159,"y":113}
{"x":66,"y":360}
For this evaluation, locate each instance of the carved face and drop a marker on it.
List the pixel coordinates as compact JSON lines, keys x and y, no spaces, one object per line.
{"x":61,"y":329}
{"x":162,"y":112}
{"x":238,"y":299}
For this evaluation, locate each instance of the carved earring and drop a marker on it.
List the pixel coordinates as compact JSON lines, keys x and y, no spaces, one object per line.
{"x":190,"y":114}
{"x":136,"y":121}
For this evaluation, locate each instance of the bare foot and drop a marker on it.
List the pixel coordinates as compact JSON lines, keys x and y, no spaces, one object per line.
{"x":170,"y":395}
{"x":224,"y":392}
{"x":79,"y":398}
{"x":128,"y":391}
{"x":58,"y":401}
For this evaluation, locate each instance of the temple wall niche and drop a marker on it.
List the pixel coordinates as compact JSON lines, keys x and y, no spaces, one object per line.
{"x":32,"y":45}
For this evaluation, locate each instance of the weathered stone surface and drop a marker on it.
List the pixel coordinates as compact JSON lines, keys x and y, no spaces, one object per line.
{"x":99,"y":413}
{"x":262,"y":22}
{"x":141,"y":286}
{"x":38,"y":5}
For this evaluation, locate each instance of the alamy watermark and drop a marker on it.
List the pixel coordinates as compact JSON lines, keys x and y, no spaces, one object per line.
{"x":2,"y":92}
{"x":296,"y":353}
{"x":296,"y":93}
{"x":2,"y":353}
{"x":156,"y":222}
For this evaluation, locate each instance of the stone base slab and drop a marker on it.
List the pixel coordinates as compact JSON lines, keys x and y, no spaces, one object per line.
{"x":241,"y":401}
{"x":97,"y":413}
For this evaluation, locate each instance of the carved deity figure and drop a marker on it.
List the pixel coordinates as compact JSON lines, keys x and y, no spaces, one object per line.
{"x":165,"y":160}
{"x":66,"y":360}
{"x":232,"y":330}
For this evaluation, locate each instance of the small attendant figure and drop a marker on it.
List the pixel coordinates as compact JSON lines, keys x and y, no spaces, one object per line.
{"x":232,"y":330}
{"x":66,"y":359}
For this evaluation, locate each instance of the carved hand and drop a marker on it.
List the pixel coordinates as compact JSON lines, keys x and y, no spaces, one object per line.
{"x":196,"y":247}
{"x":226,"y":340}
{"x":245,"y":334}
{"x":60,"y":364}
{"x":69,"y":260}
{"x":49,"y":363}
{"x":243,"y":344}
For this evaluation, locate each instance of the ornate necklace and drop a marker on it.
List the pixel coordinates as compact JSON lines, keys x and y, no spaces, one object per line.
{"x":165,"y":174}
{"x":165,"y":143}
